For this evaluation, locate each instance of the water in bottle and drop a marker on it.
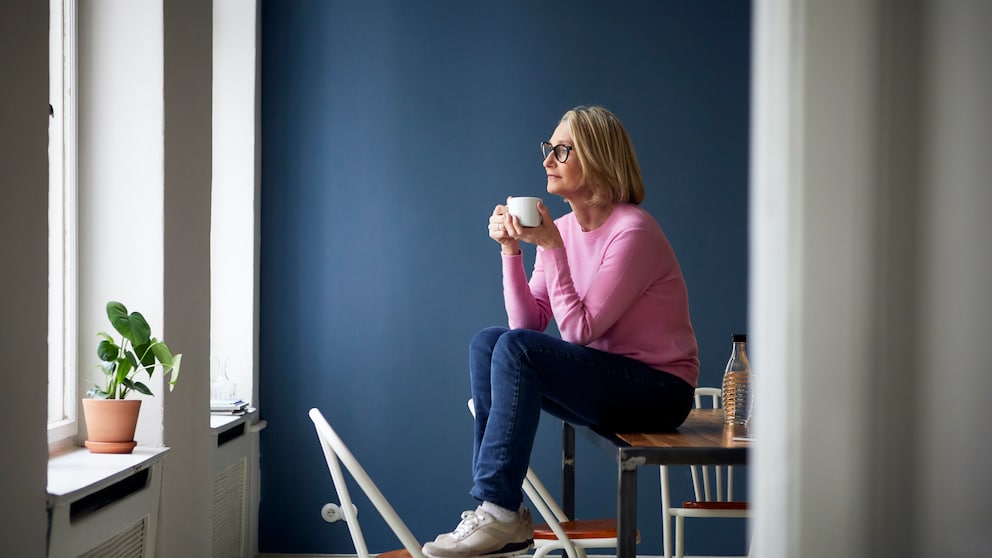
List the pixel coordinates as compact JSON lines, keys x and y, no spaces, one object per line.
{"x":737,"y":396}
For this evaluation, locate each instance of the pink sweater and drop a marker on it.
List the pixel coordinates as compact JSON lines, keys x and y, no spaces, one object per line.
{"x":617,"y":289}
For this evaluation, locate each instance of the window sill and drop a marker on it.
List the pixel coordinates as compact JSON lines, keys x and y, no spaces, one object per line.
{"x":78,"y":473}
{"x":223,"y":422}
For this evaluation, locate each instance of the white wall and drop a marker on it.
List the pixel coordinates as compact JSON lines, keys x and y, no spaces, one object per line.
{"x":955,"y":314}
{"x":120,"y":180}
{"x":145,"y":153}
{"x":187,"y":495}
{"x":869,"y":289}
{"x":23,"y":274}
{"x":813,"y":174}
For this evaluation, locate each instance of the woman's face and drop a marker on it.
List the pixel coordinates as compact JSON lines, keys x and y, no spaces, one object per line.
{"x":564,"y":179}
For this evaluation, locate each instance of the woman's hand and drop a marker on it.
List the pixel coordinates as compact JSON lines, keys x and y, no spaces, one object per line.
{"x":507,"y":230}
{"x":497,"y":230}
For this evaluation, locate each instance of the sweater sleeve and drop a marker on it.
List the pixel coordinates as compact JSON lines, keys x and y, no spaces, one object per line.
{"x":527,"y":305}
{"x":625,"y":272}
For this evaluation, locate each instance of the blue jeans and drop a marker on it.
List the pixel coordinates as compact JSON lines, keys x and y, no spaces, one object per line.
{"x":518,"y":372}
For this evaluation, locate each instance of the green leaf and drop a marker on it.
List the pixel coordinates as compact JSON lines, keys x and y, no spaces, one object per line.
{"x":132,"y":326}
{"x":145,"y":356}
{"x":162,"y":353}
{"x":126,"y":386}
{"x":131,"y":359}
{"x":117,"y":314}
{"x":107,"y":350}
{"x":139,"y":328}
{"x":124,"y":366}
{"x":141,"y":388}
{"x":175,"y":371}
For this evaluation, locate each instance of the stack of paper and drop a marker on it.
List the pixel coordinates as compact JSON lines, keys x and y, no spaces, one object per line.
{"x":232,"y":406}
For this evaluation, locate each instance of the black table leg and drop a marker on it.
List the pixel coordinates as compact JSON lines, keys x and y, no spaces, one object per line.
{"x":568,"y":469}
{"x":627,"y":506}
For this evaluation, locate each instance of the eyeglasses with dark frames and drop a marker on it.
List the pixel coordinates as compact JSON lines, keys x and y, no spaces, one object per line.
{"x":561,"y":151}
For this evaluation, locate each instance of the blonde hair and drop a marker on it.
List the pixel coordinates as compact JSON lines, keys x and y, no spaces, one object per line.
{"x":606,"y":156}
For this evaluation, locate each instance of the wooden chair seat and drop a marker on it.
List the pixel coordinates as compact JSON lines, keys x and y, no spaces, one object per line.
{"x":581,"y":529}
{"x":694,"y":505}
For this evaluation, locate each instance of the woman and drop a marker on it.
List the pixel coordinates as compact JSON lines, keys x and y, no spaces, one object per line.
{"x":627,"y":357}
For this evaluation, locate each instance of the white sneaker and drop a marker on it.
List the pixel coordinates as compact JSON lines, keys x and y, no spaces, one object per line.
{"x":479,"y":534}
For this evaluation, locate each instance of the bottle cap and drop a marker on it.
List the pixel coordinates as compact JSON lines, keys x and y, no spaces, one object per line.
{"x":739,"y":337}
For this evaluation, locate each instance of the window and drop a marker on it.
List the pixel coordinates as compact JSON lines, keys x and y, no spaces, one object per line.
{"x":62,"y":223}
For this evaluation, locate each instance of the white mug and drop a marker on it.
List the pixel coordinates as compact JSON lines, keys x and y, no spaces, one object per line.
{"x":525,"y":209}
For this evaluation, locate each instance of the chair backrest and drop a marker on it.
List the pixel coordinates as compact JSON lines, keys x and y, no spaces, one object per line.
{"x":335,"y":453}
{"x":704,"y":493}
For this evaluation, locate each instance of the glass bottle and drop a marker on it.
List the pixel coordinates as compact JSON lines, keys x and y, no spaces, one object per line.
{"x":737,"y":396}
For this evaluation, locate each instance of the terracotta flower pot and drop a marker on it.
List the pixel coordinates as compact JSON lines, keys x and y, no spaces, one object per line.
{"x":110,"y":424}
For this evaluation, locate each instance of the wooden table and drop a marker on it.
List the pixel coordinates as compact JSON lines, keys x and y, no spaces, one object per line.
{"x":703,"y":439}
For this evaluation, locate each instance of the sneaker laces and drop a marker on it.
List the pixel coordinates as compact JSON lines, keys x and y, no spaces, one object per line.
{"x":470,"y":520}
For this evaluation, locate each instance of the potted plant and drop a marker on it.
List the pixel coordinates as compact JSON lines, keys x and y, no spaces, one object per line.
{"x":111,"y":418}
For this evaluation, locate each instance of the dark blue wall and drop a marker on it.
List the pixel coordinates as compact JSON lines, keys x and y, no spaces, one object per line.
{"x":389,"y":132}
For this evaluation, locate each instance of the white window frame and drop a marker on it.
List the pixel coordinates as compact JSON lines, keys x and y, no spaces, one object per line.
{"x":62,"y":223}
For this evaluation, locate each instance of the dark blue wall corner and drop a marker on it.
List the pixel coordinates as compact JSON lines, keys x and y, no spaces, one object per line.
{"x":389,"y":131}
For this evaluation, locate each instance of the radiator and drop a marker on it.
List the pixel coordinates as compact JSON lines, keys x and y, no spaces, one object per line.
{"x":235,"y":492}
{"x":114,"y":517}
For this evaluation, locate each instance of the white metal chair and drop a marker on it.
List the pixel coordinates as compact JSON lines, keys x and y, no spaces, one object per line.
{"x":710,"y":500}
{"x":559,"y":532}
{"x":335,"y":453}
